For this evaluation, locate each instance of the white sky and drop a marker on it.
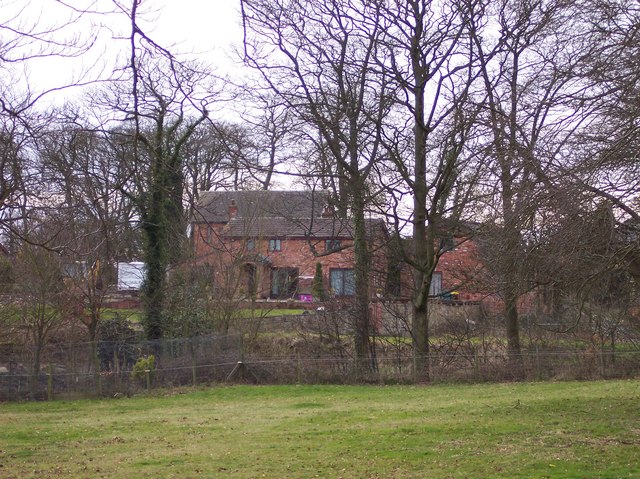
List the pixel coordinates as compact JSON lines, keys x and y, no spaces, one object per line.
{"x":205,"y":29}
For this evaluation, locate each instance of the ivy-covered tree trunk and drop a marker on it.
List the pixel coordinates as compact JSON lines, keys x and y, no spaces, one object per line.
{"x":365,"y":359}
{"x":162,"y":215}
{"x":156,"y":260}
{"x":168,"y":99}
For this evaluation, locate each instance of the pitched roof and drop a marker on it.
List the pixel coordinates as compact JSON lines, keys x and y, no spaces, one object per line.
{"x":297,"y":227}
{"x":278,"y":214}
{"x":213,"y":206}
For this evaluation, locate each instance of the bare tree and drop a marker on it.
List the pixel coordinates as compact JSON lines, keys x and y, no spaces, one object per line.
{"x":29,"y":37}
{"x":162,"y":101}
{"x":318,"y":58}
{"x":30,"y":40}
{"x":44,"y":306}
{"x":531,"y":103}
{"x":274,"y":137}
{"x":604,"y":157}
{"x":423,"y":52}
{"x":79,"y":165}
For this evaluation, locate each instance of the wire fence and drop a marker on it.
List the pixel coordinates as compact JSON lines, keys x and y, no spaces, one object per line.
{"x":108,"y":369}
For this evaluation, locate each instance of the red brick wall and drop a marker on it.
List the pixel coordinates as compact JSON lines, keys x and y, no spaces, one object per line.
{"x":463,"y":272}
{"x":212,"y":247}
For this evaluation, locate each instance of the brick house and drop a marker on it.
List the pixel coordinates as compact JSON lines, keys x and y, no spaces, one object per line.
{"x":266,"y":245}
{"x":462,"y":277}
{"x":459,"y":275}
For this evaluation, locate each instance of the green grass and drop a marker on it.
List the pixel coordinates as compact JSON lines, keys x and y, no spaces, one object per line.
{"x":133,"y":315}
{"x":269,"y":313}
{"x":535,"y":430}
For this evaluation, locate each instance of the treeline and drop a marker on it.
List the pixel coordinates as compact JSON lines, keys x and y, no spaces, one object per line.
{"x":520,"y":117}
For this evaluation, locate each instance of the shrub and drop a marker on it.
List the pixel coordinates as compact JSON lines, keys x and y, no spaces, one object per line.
{"x":143,"y":366}
{"x":317,"y":288}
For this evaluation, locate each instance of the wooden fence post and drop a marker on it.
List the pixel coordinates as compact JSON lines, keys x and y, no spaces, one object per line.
{"x":476,"y":366}
{"x":50,"y":383}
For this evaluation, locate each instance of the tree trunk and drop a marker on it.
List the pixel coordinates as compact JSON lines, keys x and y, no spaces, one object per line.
{"x":513,"y":333}
{"x":364,"y":360}
{"x":420,"y":335}
{"x":156,"y":261}
{"x":34,"y":377}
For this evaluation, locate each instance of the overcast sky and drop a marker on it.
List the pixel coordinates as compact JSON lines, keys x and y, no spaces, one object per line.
{"x":205,"y":28}
{"x":208,"y":27}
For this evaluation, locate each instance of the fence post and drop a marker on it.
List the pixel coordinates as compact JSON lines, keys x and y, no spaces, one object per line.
{"x":50,"y":383}
{"x":538,"y":372}
{"x":147,"y":375}
{"x":194,"y":376}
{"x":116,"y":369}
{"x":96,"y":367}
{"x":298,"y":368}
{"x":476,"y":366}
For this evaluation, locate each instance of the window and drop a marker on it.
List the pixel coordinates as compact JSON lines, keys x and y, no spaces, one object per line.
{"x":275,"y":245}
{"x":435,"y":288}
{"x":447,"y":243}
{"x":332,"y":244}
{"x":342,"y":282}
{"x":251,"y":244}
{"x":284,"y":282}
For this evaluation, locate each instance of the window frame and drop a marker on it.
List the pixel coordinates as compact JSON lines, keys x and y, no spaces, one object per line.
{"x":275,"y":244}
{"x":347,"y":285}
{"x":435,"y":287}
{"x":447,"y":243}
{"x":332,"y":245}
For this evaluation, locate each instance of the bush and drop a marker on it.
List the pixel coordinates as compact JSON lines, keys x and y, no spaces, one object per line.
{"x":317,"y":289}
{"x":142,"y":367}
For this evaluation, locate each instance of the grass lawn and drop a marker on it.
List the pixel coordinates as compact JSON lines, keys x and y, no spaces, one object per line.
{"x":533,"y":430}
{"x":133,"y":315}
{"x":269,"y":313}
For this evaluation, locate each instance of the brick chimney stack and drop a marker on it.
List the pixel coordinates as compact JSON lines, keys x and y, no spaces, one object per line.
{"x":233,"y":209}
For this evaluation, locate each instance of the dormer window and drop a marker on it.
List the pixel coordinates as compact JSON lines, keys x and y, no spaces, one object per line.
{"x":275,"y":245}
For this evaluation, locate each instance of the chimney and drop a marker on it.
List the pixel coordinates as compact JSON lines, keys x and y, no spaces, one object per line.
{"x":233,"y":209}
{"x":327,"y":212}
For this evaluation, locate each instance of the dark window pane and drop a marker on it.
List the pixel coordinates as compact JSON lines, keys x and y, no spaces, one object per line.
{"x":332,"y":244}
{"x":342,"y":282}
{"x":284,"y":282}
{"x":349,"y":283}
